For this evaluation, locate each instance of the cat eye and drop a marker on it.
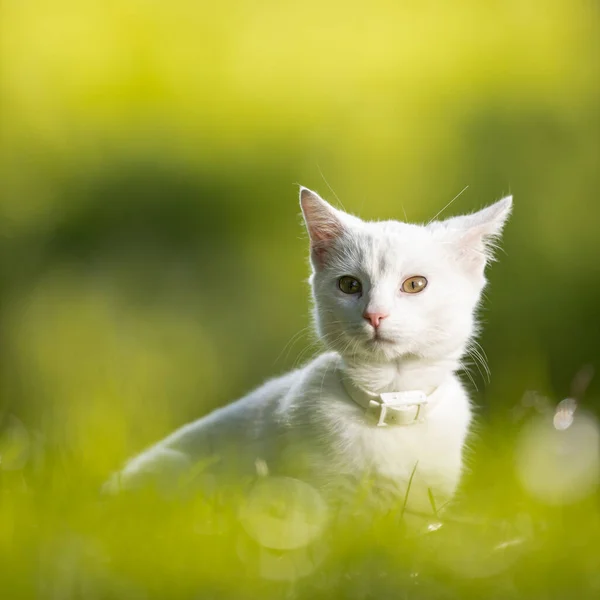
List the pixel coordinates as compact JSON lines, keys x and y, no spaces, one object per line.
{"x":349,"y":285}
{"x":414,"y":285}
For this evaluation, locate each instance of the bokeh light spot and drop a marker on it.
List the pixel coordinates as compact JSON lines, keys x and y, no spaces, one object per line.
{"x":283,"y":513}
{"x":559,"y":465}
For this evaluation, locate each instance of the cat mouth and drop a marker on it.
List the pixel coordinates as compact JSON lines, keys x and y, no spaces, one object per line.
{"x":380,"y":339}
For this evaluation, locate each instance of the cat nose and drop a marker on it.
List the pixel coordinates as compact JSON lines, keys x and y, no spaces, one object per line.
{"x":375,"y":317}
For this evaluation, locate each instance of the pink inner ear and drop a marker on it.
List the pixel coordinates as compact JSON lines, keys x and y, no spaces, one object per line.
{"x":322,"y":223}
{"x":322,"y":235}
{"x":319,"y":253}
{"x":324,"y":230}
{"x":473,"y":250}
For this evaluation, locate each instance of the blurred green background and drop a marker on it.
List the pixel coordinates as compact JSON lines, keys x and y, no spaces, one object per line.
{"x":152,"y":260}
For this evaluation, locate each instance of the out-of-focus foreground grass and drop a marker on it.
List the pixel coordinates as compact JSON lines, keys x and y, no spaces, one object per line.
{"x":152,"y":267}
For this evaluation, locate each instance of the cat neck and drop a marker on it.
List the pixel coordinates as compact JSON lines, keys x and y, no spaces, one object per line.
{"x":406,"y":373}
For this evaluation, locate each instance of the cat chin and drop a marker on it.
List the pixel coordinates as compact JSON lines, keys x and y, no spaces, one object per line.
{"x":376,"y":351}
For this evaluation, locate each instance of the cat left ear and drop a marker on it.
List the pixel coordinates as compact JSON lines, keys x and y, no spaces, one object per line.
{"x":323,"y":222}
{"x":476,"y":234}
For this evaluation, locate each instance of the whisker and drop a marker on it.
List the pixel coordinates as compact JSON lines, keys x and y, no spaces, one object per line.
{"x":475,"y":351}
{"x":467,"y":372}
{"x":449,"y":203}
{"x":330,"y":188}
{"x":291,"y":342}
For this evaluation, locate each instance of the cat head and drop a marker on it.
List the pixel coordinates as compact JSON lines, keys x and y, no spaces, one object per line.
{"x":388,"y":289}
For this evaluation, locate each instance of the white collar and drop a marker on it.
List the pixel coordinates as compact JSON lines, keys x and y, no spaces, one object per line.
{"x":389,"y":408}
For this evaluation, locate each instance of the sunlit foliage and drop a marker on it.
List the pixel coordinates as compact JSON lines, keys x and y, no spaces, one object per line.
{"x":153,"y":267}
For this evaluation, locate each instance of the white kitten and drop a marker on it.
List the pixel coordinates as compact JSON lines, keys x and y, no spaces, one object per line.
{"x":395,"y":305}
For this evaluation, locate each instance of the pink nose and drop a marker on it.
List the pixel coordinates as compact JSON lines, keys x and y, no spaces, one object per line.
{"x":374,"y":318}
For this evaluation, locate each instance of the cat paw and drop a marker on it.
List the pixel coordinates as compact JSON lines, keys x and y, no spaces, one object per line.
{"x":159,"y":468}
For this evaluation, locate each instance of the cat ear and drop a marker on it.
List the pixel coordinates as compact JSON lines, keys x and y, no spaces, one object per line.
{"x":323,"y":222}
{"x":476,"y":235}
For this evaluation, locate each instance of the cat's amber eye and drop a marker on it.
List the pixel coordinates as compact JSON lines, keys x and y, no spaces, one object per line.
{"x":414,"y":285}
{"x":350,"y":285}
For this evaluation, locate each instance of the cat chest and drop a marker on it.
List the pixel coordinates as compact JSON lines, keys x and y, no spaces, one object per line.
{"x":393,"y":452}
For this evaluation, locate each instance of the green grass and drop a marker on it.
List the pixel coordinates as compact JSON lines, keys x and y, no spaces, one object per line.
{"x":61,"y":538}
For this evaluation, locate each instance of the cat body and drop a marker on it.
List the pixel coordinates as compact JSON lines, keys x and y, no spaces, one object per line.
{"x":395,"y":305}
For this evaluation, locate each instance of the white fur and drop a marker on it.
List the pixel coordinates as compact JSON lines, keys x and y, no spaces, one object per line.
{"x":304,"y":423}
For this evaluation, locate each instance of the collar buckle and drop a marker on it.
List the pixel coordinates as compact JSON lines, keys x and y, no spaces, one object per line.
{"x":389,"y":408}
{"x":399,"y":408}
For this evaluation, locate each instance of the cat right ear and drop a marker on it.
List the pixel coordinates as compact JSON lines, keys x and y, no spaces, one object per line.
{"x":323,"y":222}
